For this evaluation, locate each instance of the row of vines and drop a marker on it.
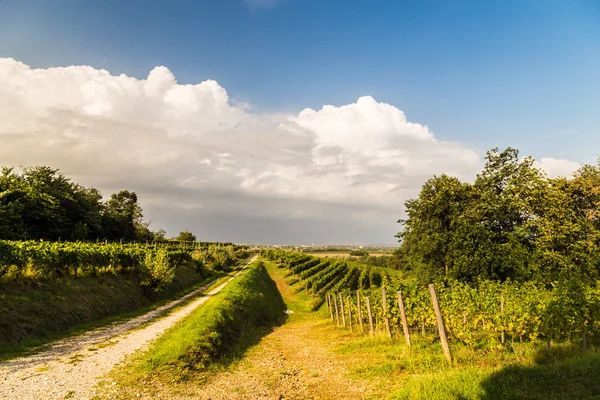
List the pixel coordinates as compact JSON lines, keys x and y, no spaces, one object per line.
{"x":486,"y":312}
{"x":156,"y":263}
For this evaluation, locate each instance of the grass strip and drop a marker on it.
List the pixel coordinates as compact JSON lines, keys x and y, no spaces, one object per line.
{"x":216,"y":333}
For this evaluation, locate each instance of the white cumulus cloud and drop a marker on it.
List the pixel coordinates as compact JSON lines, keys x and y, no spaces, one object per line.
{"x":340,"y":173}
{"x":557,"y":167}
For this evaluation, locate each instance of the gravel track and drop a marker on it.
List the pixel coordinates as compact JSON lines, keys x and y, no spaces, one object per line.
{"x":70,"y":368}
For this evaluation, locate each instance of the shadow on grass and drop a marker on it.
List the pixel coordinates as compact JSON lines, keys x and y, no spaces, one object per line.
{"x":251,"y":336}
{"x":561,"y":372}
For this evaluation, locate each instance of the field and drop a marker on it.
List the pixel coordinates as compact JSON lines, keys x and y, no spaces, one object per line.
{"x":487,"y":314}
{"x":506,"y":340}
{"x":500,"y":352}
{"x":340,"y":254}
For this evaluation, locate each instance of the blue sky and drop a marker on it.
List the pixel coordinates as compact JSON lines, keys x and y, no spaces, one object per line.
{"x":519,"y":73}
{"x":482,"y":73}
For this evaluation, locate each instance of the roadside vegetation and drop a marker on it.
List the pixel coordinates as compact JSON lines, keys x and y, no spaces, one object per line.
{"x":210,"y":338}
{"x":69,"y":259}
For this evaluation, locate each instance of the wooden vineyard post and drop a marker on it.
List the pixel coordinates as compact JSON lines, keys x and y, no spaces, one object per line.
{"x":370,"y":316}
{"x":330,"y":308}
{"x":337,"y":314}
{"x":360,"y":321}
{"x":327,"y":303}
{"x":440,"y":323}
{"x":384,"y":307}
{"x":342,"y":310}
{"x":349,"y":313}
{"x":403,"y":316}
{"x":502,"y":313}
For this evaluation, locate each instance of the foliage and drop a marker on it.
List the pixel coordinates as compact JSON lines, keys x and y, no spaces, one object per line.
{"x":156,"y":269}
{"x":154,"y":263}
{"x":185,"y":236}
{"x":41,"y":203}
{"x":513,"y":222}
{"x":376,"y":261}
{"x":565,"y":309}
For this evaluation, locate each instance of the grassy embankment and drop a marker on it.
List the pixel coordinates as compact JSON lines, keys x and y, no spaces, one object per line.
{"x":211,"y":337}
{"x":36,"y":313}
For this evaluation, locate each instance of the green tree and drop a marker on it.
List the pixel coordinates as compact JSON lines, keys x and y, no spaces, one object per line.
{"x":186,"y":236}
{"x":160,"y":235}
{"x":568,"y":231}
{"x":484,"y":230}
{"x":429,"y":230}
{"x":122,"y":213}
{"x":12,"y":204}
{"x":493,"y":236}
{"x":41,"y":203}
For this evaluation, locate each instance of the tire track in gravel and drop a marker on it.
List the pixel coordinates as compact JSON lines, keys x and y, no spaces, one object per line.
{"x":70,"y":368}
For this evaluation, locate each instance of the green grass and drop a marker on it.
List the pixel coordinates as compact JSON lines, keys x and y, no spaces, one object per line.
{"x":525,"y":371}
{"x":575,"y":378}
{"x":212,"y":336}
{"x":519,"y":371}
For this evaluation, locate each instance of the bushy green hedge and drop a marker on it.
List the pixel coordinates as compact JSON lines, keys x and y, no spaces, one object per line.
{"x":250,"y":303}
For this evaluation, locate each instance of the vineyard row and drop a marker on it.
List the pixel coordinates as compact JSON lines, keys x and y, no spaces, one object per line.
{"x":566,"y":310}
{"x":41,"y":259}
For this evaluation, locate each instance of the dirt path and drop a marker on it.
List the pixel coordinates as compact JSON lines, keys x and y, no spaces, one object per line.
{"x":295,"y":361}
{"x":70,"y":368}
{"x":290,"y":363}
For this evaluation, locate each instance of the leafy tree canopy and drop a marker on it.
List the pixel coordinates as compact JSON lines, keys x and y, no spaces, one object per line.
{"x":41,"y":203}
{"x":512,"y":222}
{"x":186,"y":236}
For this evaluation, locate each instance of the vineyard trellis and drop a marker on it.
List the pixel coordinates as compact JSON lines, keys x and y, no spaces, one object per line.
{"x":565,"y":310}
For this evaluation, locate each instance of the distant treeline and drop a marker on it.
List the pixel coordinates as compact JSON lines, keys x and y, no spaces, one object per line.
{"x":512,"y":222}
{"x":41,"y":203}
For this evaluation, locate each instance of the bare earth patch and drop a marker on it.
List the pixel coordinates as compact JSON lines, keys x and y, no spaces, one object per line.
{"x":290,"y":363}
